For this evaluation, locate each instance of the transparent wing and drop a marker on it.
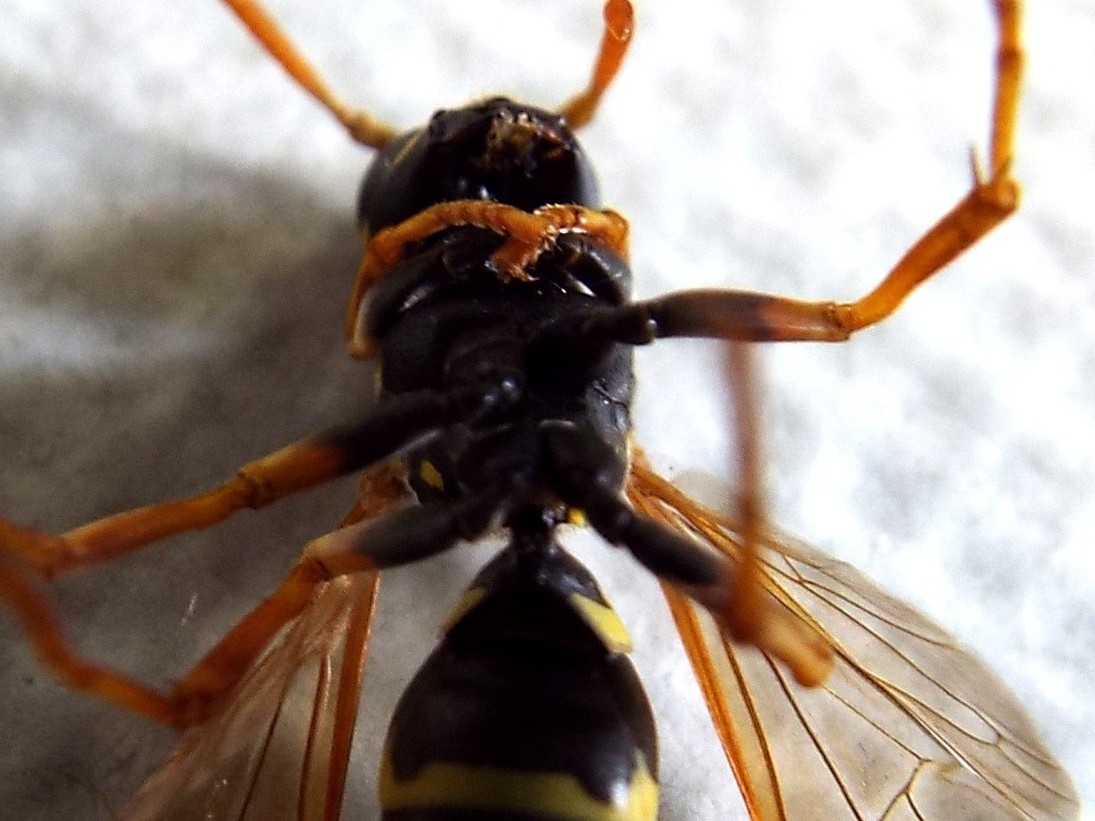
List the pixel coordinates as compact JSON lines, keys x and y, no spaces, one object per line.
{"x":278,"y":749}
{"x":910,"y":725}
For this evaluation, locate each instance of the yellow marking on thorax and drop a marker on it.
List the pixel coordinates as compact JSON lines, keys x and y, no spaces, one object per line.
{"x":429,"y":474}
{"x":576,"y":516}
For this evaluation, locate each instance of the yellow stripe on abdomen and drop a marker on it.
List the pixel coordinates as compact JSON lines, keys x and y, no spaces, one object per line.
{"x":552,"y":796}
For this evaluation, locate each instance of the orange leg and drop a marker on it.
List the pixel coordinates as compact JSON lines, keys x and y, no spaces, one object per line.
{"x":619,"y":28}
{"x":21,"y":591}
{"x":192,"y":699}
{"x":746,"y":615}
{"x":223,"y":666}
{"x":382,"y":487}
{"x":527,"y":236}
{"x":745,"y":607}
{"x":751,"y":317}
{"x":293,"y":468}
{"x":753,"y":616}
{"x":989,"y":202}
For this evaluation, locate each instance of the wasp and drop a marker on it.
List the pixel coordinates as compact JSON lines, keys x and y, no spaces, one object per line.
{"x":495,"y":291}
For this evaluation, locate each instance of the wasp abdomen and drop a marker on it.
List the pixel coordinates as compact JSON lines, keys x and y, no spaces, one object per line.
{"x":528,"y":710}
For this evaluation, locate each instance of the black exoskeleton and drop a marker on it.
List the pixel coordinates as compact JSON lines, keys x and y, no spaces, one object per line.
{"x":513,"y":393}
{"x":510,"y":400}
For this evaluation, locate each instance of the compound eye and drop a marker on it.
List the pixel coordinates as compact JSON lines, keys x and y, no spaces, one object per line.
{"x":397,"y":184}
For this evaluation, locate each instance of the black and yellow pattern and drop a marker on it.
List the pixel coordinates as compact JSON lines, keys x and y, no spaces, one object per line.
{"x":528,"y":710}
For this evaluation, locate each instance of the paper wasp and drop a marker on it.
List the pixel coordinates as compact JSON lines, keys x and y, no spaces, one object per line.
{"x":665,"y":492}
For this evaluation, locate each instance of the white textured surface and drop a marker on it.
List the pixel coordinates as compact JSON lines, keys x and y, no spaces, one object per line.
{"x":176,"y":239}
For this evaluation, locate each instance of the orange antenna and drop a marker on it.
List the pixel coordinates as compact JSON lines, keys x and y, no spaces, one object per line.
{"x":361,"y":125}
{"x":619,"y":26}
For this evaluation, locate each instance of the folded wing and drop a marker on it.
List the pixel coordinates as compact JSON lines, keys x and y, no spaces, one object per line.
{"x":910,"y":725}
{"x":278,"y":748}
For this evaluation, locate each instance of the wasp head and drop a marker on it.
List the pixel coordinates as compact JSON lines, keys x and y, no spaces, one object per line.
{"x":494,"y":150}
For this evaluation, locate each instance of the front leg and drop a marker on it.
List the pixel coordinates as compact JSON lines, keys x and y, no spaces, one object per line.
{"x":751,"y":317}
{"x":527,"y":235}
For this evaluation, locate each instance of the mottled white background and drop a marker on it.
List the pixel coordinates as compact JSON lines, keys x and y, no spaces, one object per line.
{"x":176,"y":242}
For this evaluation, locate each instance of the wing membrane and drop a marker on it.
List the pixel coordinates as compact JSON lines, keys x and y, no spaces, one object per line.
{"x":278,"y":749}
{"x":910,"y":725}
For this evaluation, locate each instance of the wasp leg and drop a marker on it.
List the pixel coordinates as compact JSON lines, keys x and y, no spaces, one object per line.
{"x":220,"y":669}
{"x":360,"y":546}
{"x":1009,"y":75}
{"x":619,"y":28}
{"x":989,"y":202}
{"x":741,"y":316}
{"x":21,"y":591}
{"x":746,"y":620}
{"x":285,"y":471}
{"x":399,"y":421}
{"x":402,"y":537}
{"x":361,"y":125}
{"x":527,"y":236}
{"x":394,"y":539}
{"x":745,"y":316}
{"x":397,"y":538}
{"x":588,"y":474}
{"x":296,"y":467}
